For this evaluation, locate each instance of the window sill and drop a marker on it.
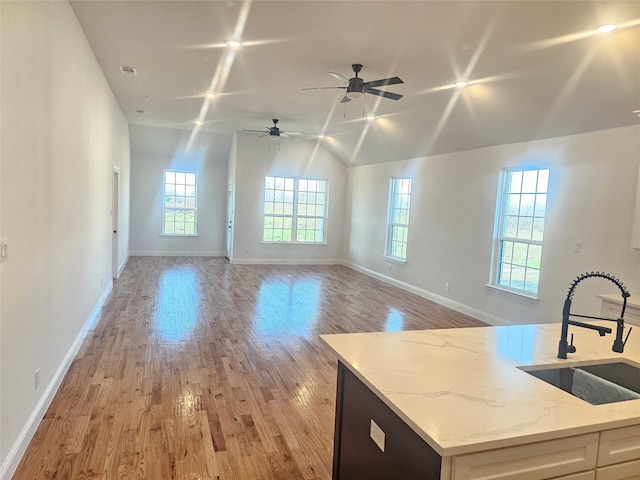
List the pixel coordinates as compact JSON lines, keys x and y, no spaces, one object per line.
{"x":395,"y":260}
{"x":178,"y":234}
{"x":528,"y":296}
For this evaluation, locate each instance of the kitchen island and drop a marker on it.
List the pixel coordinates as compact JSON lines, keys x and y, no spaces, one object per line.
{"x":458,"y":404}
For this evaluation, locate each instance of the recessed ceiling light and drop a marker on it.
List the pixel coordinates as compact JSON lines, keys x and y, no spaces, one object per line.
{"x":233,"y":43}
{"x":210,"y":95}
{"x":462,"y":83}
{"x":606,"y":28}
{"x":320,"y":136}
{"x":198,"y":122}
{"x":371,"y":117}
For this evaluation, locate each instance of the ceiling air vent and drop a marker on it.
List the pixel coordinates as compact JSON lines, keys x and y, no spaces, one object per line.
{"x":128,"y":70}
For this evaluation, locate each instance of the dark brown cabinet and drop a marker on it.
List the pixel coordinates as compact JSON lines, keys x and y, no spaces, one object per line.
{"x":357,"y":456}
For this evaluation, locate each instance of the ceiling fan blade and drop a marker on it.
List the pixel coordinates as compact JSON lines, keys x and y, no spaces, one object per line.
{"x":291,"y":135}
{"x":294,"y":132}
{"x":383,"y":82}
{"x":321,"y":88}
{"x":381,"y":93}
{"x":342,"y":78}
{"x":345,"y":99}
{"x":255,"y":131}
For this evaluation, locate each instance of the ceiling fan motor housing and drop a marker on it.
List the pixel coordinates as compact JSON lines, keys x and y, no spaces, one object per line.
{"x":355,"y":88}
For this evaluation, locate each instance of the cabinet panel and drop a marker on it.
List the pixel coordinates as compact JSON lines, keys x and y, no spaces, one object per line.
{"x":611,"y":308}
{"x":590,"y":475}
{"x":530,"y":462}
{"x":619,"y":445}
{"x":621,"y":471}
{"x":357,"y":456}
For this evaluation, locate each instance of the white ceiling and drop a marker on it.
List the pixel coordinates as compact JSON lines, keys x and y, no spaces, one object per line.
{"x":539,"y":69}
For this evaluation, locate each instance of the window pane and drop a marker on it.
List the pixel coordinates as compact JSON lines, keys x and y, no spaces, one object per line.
{"x":529,"y":181}
{"x":538,"y":229}
{"x":511,"y":227}
{"x":507,"y":252}
{"x":522,"y":216}
{"x":543,"y":181}
{"x":520,"y":254}
{"x":513,"y":204}
{"x":515,"y":182}
{"x":525,"y":224}
{"x":534,"y":255}
{"x":280,"y":193}
{"x":179,"y":193}
{"x":398,"y":217}
{"x":541,"y":205}
{"x":527,"y":204}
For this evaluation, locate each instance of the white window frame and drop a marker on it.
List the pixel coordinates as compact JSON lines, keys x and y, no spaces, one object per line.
{"x":395,"y":225}
{"x":296,"y":216}
{"x":175,"y":208}
{"x":504,"y":245}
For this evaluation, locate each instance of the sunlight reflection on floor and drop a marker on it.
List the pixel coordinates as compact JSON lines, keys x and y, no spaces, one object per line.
{"x":287,"y":308}
{"x":176,"y":314}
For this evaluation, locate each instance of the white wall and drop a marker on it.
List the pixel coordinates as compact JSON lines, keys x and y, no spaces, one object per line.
{"x":207,"y":155}
{"x":255,"y":159}
{"x":62,"y":133}
{"x":592,"y":192}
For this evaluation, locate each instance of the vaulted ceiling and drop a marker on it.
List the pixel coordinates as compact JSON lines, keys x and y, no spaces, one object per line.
{"x":536,"y":69}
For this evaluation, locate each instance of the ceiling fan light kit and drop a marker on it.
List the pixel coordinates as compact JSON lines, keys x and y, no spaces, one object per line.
{"x":274,"y":133}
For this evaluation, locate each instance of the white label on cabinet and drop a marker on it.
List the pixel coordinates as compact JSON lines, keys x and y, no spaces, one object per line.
{"x":377,"y":435}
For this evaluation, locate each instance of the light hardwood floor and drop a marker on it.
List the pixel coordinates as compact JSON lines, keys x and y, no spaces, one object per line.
{"x":198,"y":369}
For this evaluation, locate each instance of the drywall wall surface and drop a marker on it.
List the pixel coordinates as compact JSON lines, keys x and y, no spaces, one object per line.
{"x":207,"y":156}
{"x":257,"y":157}
{"x":62,"y":134}
{"x":592,"y":190}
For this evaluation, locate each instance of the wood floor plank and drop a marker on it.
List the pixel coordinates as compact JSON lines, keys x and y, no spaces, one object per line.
{"x":199,"y":369}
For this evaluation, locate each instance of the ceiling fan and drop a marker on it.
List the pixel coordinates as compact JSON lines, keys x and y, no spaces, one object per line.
{"x":275,"y":133}
{"x":357,"y":87}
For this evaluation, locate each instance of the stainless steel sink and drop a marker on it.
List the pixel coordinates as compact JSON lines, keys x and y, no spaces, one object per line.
{"x":603,"y":383}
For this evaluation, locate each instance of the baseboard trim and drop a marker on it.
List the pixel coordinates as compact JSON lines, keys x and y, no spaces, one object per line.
{"x":124,"y":264}
{"x":8,"y":468}
{"x":174,"y":253}
{"x":284,"y":261}
{"x":439,"y":299}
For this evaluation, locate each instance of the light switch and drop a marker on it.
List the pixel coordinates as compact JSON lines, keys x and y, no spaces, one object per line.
{"x":4,"y":251}
{"x":377,"y":435}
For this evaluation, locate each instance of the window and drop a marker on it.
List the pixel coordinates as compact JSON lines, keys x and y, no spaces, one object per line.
{"x":295,"y":210}
{"x":519,"y":229}
{"x":179,"y":203}
{"x":398,"y":218}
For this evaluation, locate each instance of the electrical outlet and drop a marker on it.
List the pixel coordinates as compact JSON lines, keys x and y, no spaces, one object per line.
{"x":377,"y":435}
{"x":36,"y":379}
{"x":4,"y":251}
{"x":446,"y":287}
{"x":578,"y":246}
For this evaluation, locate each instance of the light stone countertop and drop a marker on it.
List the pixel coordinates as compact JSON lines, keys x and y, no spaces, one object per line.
{"x":461,"y":389}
